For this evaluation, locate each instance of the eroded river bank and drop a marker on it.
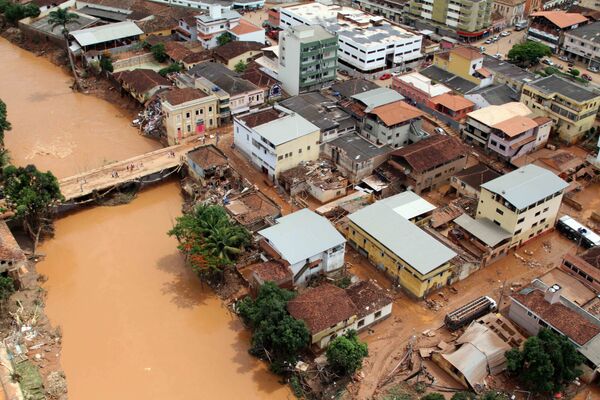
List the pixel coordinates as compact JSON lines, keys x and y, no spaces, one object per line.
{"x":136,"y":323}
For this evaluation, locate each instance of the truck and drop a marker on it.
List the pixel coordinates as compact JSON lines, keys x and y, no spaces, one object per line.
{"x":470,"y":312}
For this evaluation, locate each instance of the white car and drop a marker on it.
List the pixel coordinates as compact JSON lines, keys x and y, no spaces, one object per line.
{"x":547,"y":62}
{"x":498,"y":56}
{"x":505,"y":34}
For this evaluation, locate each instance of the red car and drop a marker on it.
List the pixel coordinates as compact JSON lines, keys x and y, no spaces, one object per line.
{"x":385,"y":76}
{"x":586,"y":77}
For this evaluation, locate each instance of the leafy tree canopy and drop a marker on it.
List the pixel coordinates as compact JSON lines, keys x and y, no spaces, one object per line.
{"x":7,"y":287}
{"x":4,"y":124}
{"x":175,"y":67}
{"x":548,"y":362}
{"x":345,"y":353}
{"x":240,"y":66}
{"x":159,"y":52}
{"x":433,"y":396}
{"x":106,"y":63}
{"x":224,"y":38}
{"x":62,"y":17}
{"x":15,"y":12}
{"x":528,"y":53}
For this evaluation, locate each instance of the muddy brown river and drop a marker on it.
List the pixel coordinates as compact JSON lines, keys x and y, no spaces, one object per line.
{"x":136,"y":323}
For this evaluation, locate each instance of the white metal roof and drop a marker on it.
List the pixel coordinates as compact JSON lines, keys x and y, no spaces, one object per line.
{"x":286,"y":128}
{"x":106,"y":33}
{"x":408,"y":204}
{"x":424,"y":84}
{"x":418,"y":249}
{"x":493,"y":114}
{"x":483,"y":229}
{"x":378,"y":97}
{"x":526,"y":185}
{"x":301,"y":235}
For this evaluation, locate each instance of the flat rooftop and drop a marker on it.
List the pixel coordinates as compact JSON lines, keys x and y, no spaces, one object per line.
{"x":357,"y":148}
{"x":508,"y":69}
{"x":554,"y":84}
{"x":424,"y":84}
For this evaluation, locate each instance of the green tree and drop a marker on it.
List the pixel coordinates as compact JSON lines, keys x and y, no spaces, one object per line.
{"x":159,"y":52}
{"x":106,"y":64}
{"x":528,"y":53}
{"x":31,"y":194}
{"x":464,"y":396}
{"x":433,"y":396}
{"x":224,"y":38}
{"x":15,"y":12}
{"x":5,"y":125}
{"x":62,"y":17}
{"x":175,"y":67}
{"x":240,"y":67}
{"x":4,"y":5}
{"x":7,"y":287}
{"x":493,"y":395}
{"x":276,"y":336}
{"x":574,"y":72}
{"x":548,"y":361}
{"x":345,"y":353}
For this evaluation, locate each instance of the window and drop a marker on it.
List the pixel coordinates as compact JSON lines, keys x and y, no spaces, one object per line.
{"x":307,"y":148}
{"x":542,"y":220}
{"x":499,"y":211}
{"x":497,"y":223}
{"x":280,"y":158}
{"x":518,"y":231}
{"x":377,"y":314}
{"x":361,"y":323}
{"x":520,"y":220}
{"x":299,"y":151}
{"x":187,"y":114}
{"x":538,"y":213}
{"x":197,"y":112}
{"x":545,"y":209}
{"x":209,"y":108}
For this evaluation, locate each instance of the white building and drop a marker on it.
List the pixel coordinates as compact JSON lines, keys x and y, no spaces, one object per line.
{"x":308,"y":242}
{"x":206,"y":4}
{"x":276,"y":139}
{"x":221,"y":20}
{"x":366,"y":42}
{"x":307,"y":59}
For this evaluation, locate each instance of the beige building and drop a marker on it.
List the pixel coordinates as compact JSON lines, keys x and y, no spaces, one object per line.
{"x":188,"y":112}
{"x":523,"y":203}
{"x":232,"y":53}
{"x":512,"y":10}
{"x":572,"y":107}
{"x":276,"y":139}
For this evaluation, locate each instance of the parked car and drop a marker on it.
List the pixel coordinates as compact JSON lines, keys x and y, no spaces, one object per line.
{"x":570,"y":65}
{"x":592,"y":69}
{"x":481,"y":49}
{"x":385,"y":76}
{"x":547,"y":61}
{"x":440,"y":131}
{"x":489,"y":41}
{"x":498,"y":56}
{"x":563,"y":58}
{"x":496,"y":38}
{"x":342,"y":72}
{"x":505,"y":34}
{"x":586,"y":77}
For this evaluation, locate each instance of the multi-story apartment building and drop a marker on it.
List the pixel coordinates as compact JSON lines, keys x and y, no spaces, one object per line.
{"x":365,"y":42}
{"x":466,"y":19}
{"x":276,"y":139}
{"x":549,"y":27}
{"x":206,"y":4}
{"x":220,"y":20}
{"x":524,"y":202}
{"x":307,"y":58}
{"x":583,"y":44}
{"x":395,"y":124}
{"x":572,"y":107}
{"x":513,"y":11}
{"x":465,"y":62}
{"x":389,"y":9}
{"x":187,"y":112}
{"x":507,"y":130}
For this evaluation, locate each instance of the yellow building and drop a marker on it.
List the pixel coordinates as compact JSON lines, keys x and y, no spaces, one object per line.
{"x":188,"y":112}
{"x":523,"y":203}
{"x":466,"y":63}
{"x":383,"y":233}
{"x":572,"y":107}
{"x":276,"y":139}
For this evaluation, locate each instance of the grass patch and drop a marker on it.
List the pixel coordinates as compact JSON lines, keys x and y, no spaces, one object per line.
{"x":30,"y":380}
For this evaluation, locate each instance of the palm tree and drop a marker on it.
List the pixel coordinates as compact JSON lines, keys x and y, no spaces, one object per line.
{"x":226,"y":243}
{"x":62,"y":17}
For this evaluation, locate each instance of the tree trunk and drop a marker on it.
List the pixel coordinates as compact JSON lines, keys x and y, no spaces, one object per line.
{"x":76,"y":85}
{"x":35,"y":235}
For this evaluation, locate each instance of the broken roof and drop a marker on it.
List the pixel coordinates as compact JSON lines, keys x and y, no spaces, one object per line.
{"x":236,"y":48}
{"x":483,"y":229}
{"x":358,"y":148}
{"x":301,"y":235}
{"x":353,"y":86}
{"x":106,"y":33}
{"x":476,"y":175}
{"x":452,"y":101}
{"x":526,"y":185}
{"x":322,"y":307}
{"x":252,"y":206}
{"x":318,"y":109}
{"x":272,"y":271}
{"x":563,"y":318}
{"x":208,"y":157}
{"x":396,"y":113}
{"x":431,"y":152}
{"x":560,"y":18}
{"x":378,"y":97}
{"x":141,"y":80}
{"x":403,"y":238}
{"x":368,"y":297}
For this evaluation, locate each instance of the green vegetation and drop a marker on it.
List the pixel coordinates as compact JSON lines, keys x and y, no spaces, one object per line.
{"x":4,"y":124}
{"x":159,"y":52}
{"x":30,"y":380}
{"x":493,"y":395}
{"x":528,"y":53}
{"x":175,"y":67}
{"x":548,"y":362}
{"x":209,"y":239}
{"x":345,"y":353}
{"x":31,"y":194}
{"x":7,"y":287}
{"x":240,"y":67}
{"x":61,"y":17}
{"x":106,"y":64}
{"x":224,"y":38}
{"x":13,"y":12}
{"x":277,"y":337}
{"x":464,"y":396}
{"x":433,"y":396}
{"x":574,"y":72}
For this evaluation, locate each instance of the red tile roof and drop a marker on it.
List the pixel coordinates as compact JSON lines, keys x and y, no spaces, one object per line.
{"x":244,"y":27}
{"x":452,"y":101}
{"x":236,"y":48}
{"x":141,"y":80}
{"x":516,"y":125}
{"x":179,"y":96}
{"x":467,"y":52}
{"x":566,"y":320}
{"x":322,"y":307}
{"x":368,"y":297}
{"x":560,"y":18}
{"x":396,"y":112}
{"x":261,"y":117}
{"x":431,"y":152}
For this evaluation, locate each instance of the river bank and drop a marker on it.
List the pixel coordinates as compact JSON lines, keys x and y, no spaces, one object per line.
{"x":135,"y":322}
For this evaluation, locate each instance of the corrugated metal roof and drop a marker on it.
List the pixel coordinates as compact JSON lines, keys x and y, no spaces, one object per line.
{"x":526,"y":185}
{"x":378,"y":97}
{"x":301,"y":235}
{"x":408,"y":204}
{"x":402,"y":237}
{"x":483,"y":229}
{"x":106,"y":33}
{"x":285,"y":129}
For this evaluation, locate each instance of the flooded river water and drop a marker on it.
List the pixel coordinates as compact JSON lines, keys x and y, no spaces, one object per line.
{"x":136,"y":323}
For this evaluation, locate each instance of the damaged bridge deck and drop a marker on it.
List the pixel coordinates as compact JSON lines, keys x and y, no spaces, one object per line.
{"x":135,"y":169}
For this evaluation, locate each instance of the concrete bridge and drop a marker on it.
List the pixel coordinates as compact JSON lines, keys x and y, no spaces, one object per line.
{"x":142,"y":168}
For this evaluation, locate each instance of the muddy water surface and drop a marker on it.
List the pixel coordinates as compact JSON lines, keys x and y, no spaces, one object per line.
{"x":136,"y":323}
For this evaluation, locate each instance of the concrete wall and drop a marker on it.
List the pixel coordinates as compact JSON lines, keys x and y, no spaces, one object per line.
{"x":180,"y":121}
{"x":370,"y":319}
